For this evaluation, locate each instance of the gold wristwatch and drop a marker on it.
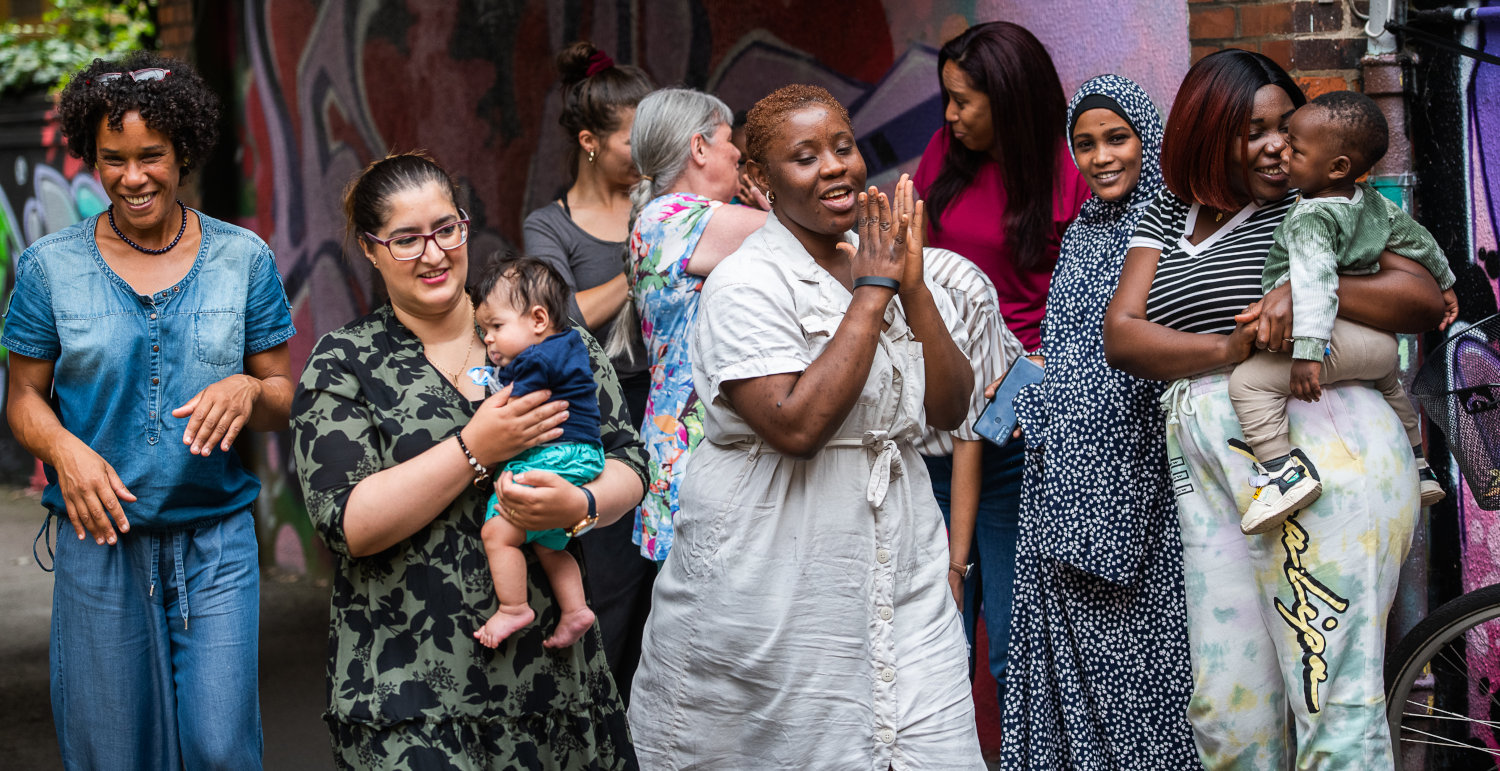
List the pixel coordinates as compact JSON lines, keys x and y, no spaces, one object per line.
{"x":589,"y":520}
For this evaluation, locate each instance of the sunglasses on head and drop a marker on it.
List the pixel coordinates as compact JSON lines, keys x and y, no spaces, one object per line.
{"x":149,"y":73}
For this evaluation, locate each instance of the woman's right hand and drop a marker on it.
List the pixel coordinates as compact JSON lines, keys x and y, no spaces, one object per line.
{"x":1239,"y":344}
{"x":989,"y":390}
{"x":503,"y":428}
{"x":879,"y":253}
{"x":92,"y":492}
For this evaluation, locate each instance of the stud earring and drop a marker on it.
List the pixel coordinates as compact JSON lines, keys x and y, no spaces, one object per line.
{"x":591,"y":156}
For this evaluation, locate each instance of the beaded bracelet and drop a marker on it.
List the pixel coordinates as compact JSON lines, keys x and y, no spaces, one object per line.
{"x":481,"y":474}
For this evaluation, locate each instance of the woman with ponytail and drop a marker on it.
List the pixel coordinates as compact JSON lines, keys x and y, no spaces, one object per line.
{"x":681,"y":229}
{"x":582,"y":235}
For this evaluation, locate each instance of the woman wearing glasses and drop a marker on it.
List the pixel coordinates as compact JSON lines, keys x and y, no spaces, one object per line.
{"x":394,"y":448}
{"x":142,"y":341}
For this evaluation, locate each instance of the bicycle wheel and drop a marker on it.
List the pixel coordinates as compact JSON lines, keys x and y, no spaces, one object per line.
{"x":1443,"y":688}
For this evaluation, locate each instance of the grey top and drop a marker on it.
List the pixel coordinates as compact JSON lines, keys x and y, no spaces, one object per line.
{"x":584,"y":261}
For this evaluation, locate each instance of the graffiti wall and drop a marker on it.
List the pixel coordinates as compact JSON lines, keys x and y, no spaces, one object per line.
{"x":1480,"y":285}
{"x":324,"y":88}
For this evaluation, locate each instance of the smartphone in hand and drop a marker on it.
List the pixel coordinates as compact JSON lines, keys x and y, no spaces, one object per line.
{"x":998,"y":420}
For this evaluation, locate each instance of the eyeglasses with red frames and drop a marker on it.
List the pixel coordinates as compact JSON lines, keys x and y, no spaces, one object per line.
{"x":149,"y":73}
{"x":410,"y":246}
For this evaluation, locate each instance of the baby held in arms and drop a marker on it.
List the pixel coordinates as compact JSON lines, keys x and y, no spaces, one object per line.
{"x":1336,"y":227}
{"x":522,"y":313}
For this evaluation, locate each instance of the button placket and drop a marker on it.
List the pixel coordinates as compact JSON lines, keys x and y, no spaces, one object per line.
{"x":153,"y":394}
{"x":882,"y":642}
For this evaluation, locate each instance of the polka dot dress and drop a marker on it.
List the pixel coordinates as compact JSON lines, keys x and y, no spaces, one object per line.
{"x":1099,"y":675}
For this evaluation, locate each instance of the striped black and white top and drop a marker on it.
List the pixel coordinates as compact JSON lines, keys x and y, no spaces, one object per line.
{"x":991,"y":346}
{"x":1200,"y":287}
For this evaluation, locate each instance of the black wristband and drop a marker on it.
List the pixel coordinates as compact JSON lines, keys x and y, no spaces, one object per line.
{"x":880,"y":281}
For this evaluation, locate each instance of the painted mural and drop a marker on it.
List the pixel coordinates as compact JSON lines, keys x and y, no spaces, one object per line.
{"x":324,"y":88}
{"x":43,"y":189}
{"x":1479,"y":289}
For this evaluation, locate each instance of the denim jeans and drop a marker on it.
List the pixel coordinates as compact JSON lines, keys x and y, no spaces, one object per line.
{"x":992,"y":582}
{"x":154,"y":648}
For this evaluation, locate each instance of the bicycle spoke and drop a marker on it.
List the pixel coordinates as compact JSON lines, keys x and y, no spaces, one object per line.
{"x":1444,"y":741}
{"x":1449,"y":715}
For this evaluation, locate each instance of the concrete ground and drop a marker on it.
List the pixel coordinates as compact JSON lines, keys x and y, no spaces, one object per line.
{"x":293,"y":649}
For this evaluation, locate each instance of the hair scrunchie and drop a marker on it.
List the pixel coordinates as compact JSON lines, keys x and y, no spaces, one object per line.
{"x":598,"y":63}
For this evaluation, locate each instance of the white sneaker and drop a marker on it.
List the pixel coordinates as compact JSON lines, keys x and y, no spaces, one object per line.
{"x":1294,"y":487}
{"x":1432,"y":491}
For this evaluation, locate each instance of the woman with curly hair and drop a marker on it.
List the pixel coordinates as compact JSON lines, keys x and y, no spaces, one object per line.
{"x":155,"y":613}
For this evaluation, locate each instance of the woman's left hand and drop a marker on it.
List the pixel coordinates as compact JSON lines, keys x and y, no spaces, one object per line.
{"x":540,"y":500}
{"x":218,"y":413}
{"x":910,"y":215}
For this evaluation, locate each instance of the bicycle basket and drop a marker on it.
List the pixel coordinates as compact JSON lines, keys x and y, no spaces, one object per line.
{"x":1459,"y":389}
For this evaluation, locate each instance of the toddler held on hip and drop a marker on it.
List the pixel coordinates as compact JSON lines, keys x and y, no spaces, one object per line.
{"x":1336,"y":227}
{"x":521,"y":309}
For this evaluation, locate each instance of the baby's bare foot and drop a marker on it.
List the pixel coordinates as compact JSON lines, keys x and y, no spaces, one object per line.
{"x":504,"y":623}
{"x":570,"y":627}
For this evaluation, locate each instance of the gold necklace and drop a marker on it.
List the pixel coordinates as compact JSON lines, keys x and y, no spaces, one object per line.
{"x":453,"y":376}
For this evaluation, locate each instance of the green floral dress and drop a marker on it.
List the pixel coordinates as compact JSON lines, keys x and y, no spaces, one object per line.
{"x":409,"y":686}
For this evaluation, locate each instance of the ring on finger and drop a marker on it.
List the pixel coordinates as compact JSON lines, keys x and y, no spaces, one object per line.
{"x":885,"y":225}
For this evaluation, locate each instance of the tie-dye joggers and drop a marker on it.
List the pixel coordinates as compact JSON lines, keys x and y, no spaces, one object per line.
{"x":1292,"y":620}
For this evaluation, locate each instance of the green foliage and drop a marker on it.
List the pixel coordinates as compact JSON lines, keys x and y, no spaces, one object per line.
{"x":73,"y":34}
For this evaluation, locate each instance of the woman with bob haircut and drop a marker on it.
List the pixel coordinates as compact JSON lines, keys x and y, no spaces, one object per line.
{"x":1294,"y":619}
{"x":142,"y":341}
{"x":986,"y":161}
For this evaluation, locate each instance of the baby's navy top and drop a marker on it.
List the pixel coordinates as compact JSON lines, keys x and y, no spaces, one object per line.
{"x":559,"y":363}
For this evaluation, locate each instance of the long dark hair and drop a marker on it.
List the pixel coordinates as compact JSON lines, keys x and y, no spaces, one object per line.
{"x":1212,"y":109}
{"x":1028,"y":112}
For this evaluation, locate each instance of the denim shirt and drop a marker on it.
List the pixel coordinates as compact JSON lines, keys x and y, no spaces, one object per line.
{"x":124,"y":361}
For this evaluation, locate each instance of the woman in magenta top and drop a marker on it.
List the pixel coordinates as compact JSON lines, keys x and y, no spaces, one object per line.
{"x":1001,"y":188}
{"x":1005,"y":106}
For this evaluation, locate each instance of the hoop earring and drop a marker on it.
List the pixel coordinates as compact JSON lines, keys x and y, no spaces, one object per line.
{"x":771,"y":197}
{"x":591,"y":156}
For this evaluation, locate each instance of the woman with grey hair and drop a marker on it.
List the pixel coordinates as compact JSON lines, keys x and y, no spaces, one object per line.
{"x":682,"y":229}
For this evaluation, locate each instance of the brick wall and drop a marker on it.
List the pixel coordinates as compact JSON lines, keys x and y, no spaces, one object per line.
{"x":174,"y":28}
{"x":1319,"y":43}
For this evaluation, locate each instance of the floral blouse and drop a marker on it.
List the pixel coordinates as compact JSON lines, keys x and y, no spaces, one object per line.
{"x":666,"y":233}
{"x":401,"y":649}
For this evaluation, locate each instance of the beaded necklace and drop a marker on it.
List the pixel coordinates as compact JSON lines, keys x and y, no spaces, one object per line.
{"x":180,"y":230}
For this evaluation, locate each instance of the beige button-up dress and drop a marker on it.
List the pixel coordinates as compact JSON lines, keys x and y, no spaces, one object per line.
{"x":803,"y":619}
